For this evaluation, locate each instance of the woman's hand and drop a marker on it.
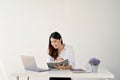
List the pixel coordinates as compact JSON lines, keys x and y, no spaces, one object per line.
{"x":60,"y":66}
{"x":63,"y":67}
{"x":59,"y":59}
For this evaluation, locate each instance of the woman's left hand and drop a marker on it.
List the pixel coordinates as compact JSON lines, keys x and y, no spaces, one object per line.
{"x":60,"y":67}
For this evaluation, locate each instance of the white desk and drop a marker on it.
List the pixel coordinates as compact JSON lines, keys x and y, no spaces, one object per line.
{"x":102,"y":74}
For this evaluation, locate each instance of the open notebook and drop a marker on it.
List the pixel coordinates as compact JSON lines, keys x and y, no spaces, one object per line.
{"x":52,"y":64}
{"x":79,"y":70}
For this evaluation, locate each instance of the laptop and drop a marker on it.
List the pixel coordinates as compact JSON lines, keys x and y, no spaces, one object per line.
{"x":30,"y":64}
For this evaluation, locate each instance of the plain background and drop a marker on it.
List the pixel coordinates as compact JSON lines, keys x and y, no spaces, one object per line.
{"x":91,"y":27}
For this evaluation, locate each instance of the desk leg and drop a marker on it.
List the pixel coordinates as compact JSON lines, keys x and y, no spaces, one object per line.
{"x":28,"y":78}
{"x":17,"y":77}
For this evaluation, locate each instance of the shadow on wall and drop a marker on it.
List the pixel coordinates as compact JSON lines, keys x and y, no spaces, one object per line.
{"x":3,"y":75}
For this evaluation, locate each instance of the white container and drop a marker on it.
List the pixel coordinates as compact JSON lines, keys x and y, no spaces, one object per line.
{"x":94,"y":69}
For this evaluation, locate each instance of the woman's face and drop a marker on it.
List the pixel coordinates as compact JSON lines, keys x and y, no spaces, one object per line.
{"x":55,"y":43}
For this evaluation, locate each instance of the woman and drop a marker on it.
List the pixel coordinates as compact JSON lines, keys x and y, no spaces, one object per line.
{"x":59,"y":51}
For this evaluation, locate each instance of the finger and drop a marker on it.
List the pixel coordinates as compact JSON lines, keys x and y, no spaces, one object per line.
{"x":63,"y":65}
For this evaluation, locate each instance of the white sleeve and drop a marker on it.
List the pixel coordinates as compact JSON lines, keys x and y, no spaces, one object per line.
{"x":49,"y":58}
{"x":71,"y":57}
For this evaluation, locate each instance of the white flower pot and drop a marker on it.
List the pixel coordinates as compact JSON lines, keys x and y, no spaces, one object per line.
{"x":94,"y":69}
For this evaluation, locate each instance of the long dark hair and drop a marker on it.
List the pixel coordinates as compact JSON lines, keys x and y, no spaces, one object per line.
{"x":52,"y":51}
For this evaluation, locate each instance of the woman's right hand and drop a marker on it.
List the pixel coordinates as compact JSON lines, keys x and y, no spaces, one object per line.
{"x":59,"y":66}
{"x":59,"y":59}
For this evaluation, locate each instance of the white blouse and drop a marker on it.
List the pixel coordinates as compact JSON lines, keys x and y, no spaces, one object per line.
{"x":66,"y":53}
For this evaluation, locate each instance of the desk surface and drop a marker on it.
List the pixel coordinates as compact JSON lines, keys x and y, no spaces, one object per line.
{"x":102,"y":73}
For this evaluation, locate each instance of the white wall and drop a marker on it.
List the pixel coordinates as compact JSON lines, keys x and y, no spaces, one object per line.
{"x":91,"y":27}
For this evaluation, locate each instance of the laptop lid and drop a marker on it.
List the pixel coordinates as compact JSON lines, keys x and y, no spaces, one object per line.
{"x":29,"y":63}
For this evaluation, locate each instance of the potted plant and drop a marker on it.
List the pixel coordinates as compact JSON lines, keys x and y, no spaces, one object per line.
{"x":94,"y":62}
